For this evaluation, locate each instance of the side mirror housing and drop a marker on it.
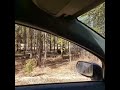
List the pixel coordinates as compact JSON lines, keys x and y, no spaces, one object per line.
{"x":90,"y":70}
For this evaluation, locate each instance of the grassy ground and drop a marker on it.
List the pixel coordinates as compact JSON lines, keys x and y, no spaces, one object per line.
{"x":54,"y":72}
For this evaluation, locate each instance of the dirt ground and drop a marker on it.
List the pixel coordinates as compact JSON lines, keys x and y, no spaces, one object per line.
{"x":53,"y":73}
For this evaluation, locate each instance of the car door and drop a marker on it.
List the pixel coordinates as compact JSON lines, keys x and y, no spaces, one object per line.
{"x":56,"y":73}
{"x":66,"y":86}
{"x":71,"y":31}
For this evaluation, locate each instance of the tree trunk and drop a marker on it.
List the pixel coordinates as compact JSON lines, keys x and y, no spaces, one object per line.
{"x":69,"y":52}
{"x":31,"y":41}
{"x":44,"y":41}
{"x":68,"y":46}
{"x":19,"y":39}
{"x":54,"y":42}
{"x":34,"y":40}
{"x":27,"y":39}
{"x":39,"y":52}
{"x":24,"y":40}
{"x":45,"y":51}
{"x":61,"y":48}
{"x":50,"y":42}
{"x":57,"y":43}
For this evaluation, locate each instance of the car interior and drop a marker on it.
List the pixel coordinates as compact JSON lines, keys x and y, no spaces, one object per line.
{"x":59,"y":17}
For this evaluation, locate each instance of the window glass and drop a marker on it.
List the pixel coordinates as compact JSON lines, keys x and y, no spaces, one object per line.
{"x":42,"y":58}
{"x":95,"y":19}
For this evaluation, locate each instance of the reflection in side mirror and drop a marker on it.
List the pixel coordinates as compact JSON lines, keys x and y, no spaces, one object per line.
{"x":85,"y":68}
{"x":91,"y":70}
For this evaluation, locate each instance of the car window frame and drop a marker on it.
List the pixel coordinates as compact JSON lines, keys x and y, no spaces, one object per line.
{"x":67,"y":40}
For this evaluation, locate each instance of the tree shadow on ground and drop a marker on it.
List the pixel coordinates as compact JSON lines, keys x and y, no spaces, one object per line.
{"x":56,"y":63}
{"x":51,"y":63}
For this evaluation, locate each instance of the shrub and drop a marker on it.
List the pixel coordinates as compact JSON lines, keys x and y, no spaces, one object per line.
{"x":30,"y":65}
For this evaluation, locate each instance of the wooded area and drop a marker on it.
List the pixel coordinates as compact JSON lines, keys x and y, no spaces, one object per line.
{"x":36,"y":51}
{"x":30,"y":43}
{"x":95,"y":19}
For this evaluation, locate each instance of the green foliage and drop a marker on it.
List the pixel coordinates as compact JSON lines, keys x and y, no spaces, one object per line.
{"x":60,"y":41}
{"x":30,"y":65}
{"x":95,"y":18}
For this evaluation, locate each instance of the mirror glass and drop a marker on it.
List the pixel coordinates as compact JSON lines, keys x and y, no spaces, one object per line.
{"x":85,"y":68}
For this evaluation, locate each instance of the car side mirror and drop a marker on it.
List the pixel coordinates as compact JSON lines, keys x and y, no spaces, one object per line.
{"x":90,"y":70}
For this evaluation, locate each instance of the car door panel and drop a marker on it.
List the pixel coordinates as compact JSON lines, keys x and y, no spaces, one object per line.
{"x":65,"y":86}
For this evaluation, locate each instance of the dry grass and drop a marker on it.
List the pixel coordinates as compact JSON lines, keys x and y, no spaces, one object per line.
{"x":63,"y":72}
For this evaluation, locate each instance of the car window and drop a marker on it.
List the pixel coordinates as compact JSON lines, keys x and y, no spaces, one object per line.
{"x":41,"y":58}
{"x":95,"y":19}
